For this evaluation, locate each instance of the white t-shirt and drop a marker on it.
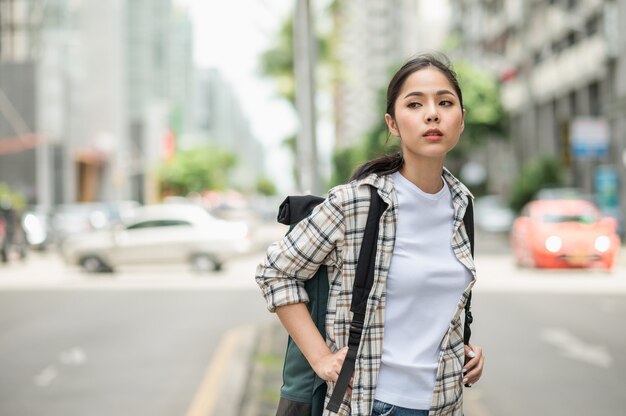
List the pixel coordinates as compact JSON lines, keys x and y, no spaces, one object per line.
{"x":424,"y":286}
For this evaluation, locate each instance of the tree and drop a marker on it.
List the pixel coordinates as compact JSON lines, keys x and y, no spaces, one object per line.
{"x":535,"y":175}
{"x":278,"y":63}
{"x":485,"y":116}
{"x":196,"y":170}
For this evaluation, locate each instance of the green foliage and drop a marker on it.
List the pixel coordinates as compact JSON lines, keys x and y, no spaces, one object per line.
{"x":277,"y":62}
{"x":266,"y":187}
{"x":535,"y":175}
{"x":11,"y":198}
{"x":196,"y":170}
{"x":375,"y":143}
{"x":484,"y":114}
{"x":344,"y":162}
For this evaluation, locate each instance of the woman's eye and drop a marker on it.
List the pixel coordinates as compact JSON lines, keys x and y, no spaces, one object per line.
{"x":446,"y":103}
{"x":414,"y":105}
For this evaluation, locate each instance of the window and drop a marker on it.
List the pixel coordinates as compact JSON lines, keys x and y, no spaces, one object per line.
{"x":595,"y":105}
{"x":158,"y":224}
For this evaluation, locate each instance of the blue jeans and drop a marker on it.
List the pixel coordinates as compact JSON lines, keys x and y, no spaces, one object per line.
{"x":385,"y":409}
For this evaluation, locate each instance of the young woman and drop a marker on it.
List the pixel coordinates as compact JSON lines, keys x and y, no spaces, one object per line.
{"x":412,"y":360}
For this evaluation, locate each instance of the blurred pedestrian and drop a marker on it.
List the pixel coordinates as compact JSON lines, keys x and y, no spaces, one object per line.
{"x":411,"y":360}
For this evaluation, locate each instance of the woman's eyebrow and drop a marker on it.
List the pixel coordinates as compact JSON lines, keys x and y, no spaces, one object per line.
{"x":421,"y":94}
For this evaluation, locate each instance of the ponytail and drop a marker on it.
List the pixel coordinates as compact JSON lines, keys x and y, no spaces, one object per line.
{"x":383,"y":165}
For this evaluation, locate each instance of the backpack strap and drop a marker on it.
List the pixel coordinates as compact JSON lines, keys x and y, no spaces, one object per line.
{"x":468,"y":220}
{"x":363,"y":283}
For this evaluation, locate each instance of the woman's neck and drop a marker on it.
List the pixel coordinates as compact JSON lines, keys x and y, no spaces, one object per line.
{"x":426,"y":175}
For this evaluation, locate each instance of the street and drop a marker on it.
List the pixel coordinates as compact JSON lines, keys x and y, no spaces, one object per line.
{"x":140,"y":341}
{"x":137,"y":343}
{"x":553,"y":340}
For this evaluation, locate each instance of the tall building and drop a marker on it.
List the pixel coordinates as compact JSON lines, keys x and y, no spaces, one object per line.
{"x":373,"y":37}
{"x":36,"y":71}
{"x":562,"y":64}
{"x":92,"y":93}
{"x":219,"y":121}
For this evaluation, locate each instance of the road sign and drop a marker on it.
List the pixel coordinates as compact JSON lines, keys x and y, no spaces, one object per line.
{"x":590,"y":138}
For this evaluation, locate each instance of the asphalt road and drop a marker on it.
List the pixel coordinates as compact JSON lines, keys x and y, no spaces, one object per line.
{"x":550,"y":354}
{"x":554,"y":340}
{"x":138,"y":343}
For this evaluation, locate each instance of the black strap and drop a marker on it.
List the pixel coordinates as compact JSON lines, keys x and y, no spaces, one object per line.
{"x":468,"y":220}
{"x":363,"y":283}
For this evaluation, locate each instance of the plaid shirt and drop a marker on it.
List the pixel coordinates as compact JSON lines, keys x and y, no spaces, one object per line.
{"x":332,"y":236}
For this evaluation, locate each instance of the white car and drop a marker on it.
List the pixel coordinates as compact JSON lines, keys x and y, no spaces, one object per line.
{"x":166,"y":233}
{"x":491,"y":214}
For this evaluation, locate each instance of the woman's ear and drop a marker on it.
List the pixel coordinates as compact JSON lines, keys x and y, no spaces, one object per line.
{"x":391,"y":123}
{"x":463,"y":121}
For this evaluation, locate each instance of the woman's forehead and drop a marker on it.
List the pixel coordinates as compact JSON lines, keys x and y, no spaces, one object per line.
{"x":427,"y":80}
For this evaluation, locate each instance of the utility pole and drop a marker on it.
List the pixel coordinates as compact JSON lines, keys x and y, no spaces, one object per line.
{"x":304,"y":64}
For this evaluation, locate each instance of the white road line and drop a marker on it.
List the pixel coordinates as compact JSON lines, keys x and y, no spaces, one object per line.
{"x":572,"y":347}
{"x":73,"y":357}
{"x":46,"y":377}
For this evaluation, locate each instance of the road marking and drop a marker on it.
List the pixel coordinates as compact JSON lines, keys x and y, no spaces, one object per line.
{"x":208,"y":393}
{"x":46,"y":377}
{"x":73,"y":356}
{"x":576,"y":349}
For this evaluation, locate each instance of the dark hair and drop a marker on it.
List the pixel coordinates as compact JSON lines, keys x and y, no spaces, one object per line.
{"x":392,"y":163}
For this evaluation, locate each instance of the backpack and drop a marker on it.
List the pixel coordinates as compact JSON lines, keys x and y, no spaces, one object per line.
{"x":303,"y":392}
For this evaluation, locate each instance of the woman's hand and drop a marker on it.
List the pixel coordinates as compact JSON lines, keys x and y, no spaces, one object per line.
{"x":474,"y":362}
{"x":328,"y":366}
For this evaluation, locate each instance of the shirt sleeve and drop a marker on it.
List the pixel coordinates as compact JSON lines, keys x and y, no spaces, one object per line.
{"x":295,"y":258}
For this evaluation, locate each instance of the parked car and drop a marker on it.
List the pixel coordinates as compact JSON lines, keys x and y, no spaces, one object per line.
{"x":491,"y":214}
{"x":166,"y":233}
{"x":81,"y":217}
{"x":37,"y":224}
{"x":561,"y":233}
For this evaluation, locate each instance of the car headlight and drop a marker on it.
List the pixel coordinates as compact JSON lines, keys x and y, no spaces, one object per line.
{"x":603,"y":243}
{"x":553,"y":244}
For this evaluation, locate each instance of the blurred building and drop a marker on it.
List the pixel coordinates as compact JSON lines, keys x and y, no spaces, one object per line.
{"x":219,"y":121}
{"x":92,"y":95}
{"x":372,"y":38}
{"x":562,"y":65}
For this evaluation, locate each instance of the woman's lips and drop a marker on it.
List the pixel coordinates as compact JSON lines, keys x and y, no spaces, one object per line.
{"x":433,"y":134}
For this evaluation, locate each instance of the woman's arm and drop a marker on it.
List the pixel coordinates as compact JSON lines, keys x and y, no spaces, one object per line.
{"x":297,"y":257}
{"x":300,"y":326}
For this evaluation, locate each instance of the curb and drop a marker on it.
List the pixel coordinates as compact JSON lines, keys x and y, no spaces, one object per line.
{"x":222,"y":388}
{"x":262,"y":389}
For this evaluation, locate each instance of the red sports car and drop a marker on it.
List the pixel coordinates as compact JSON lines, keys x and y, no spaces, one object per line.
{"x":564,"y":233}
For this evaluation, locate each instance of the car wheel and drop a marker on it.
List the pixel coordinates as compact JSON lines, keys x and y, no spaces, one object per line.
{"x":94,"y":264}
{"x":203,"y":263}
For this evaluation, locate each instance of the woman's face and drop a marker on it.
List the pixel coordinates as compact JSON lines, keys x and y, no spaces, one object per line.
{"x":429,"y":118}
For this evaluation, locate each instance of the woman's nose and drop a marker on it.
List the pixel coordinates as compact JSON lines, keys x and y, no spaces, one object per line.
{"x":432,"y":116}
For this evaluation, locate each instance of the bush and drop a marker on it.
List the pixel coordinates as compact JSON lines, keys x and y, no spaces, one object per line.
{"x":535,"y":175}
